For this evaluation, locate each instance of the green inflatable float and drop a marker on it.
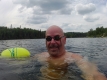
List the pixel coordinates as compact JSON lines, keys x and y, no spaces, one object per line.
{"x":17,"y":52}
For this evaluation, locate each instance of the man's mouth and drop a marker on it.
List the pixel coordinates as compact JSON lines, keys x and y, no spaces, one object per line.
{"x":53,"y":48}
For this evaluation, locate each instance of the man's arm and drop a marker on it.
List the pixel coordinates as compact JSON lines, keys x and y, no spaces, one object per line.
{"x":90,"y":71}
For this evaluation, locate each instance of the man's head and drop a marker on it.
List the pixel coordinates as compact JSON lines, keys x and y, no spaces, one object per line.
{"x":55,"y":41}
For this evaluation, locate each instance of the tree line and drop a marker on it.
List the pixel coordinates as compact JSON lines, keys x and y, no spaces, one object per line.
{"x":75,"y":34}
{"x":98,"y":32}
{"x":28,"y":33}
{"x":19,"y":33}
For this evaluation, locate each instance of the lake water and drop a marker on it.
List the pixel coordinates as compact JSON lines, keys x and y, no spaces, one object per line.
{"x":28,"y":69}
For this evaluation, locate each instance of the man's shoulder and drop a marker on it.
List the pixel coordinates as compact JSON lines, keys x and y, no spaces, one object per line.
{"x":41,"y":57}
{"x":74,"y":55}
{"x":43,"y":54}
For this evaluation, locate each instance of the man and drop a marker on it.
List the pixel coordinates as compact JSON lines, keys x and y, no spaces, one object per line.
{"x":57,"y":59}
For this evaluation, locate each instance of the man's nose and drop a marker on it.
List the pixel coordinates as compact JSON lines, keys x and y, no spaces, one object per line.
{"x":52,"y":41}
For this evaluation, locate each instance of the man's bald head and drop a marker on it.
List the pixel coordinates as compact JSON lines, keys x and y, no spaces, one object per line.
{"x":54,"y":29}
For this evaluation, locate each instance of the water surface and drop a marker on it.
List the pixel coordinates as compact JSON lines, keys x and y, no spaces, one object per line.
{"x":95,"y":49}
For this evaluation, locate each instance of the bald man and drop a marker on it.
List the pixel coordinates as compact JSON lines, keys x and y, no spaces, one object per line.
{"x":57,"y":59}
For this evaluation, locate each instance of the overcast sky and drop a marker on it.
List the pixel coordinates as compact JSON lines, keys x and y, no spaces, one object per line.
{"x":70,"y":15}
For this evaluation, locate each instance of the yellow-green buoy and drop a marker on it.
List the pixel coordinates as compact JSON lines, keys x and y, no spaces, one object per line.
{"x":17,"y":52}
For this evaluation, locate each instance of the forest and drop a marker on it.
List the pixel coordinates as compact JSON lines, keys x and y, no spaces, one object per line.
{"x":28,"y":33}
{"x":98,"y":32}
{"x":19,"y":33}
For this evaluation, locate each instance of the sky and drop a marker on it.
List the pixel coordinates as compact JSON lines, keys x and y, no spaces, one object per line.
{"x":70,"y":15}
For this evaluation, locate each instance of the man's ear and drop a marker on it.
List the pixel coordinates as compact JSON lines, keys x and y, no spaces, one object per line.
{"x":65,"y":40}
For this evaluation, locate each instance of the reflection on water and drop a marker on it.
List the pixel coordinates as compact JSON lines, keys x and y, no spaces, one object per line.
{"x":28,"y":69}
{"x":72,"y":72}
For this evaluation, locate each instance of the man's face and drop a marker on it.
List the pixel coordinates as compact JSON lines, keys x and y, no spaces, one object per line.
{"x":55,"y":43}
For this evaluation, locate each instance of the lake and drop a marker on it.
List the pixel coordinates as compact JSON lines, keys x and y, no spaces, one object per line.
{"x":95,"y":49}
